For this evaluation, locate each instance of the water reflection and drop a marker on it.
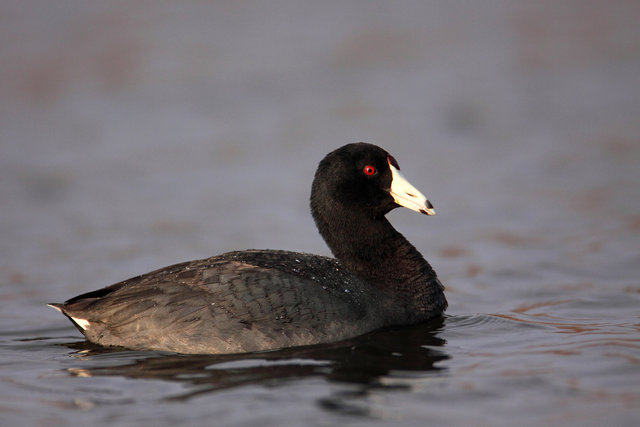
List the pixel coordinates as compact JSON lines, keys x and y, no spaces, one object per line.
{"x":364,"y":361}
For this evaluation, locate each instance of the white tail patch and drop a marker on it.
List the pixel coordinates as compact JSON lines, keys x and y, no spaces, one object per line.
{"x":83,"y":323}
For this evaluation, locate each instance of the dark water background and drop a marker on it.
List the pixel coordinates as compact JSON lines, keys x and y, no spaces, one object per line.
{"x":134,"y":135}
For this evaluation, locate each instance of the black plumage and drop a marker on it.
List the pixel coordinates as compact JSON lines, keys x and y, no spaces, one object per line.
{"x":267,"y":299}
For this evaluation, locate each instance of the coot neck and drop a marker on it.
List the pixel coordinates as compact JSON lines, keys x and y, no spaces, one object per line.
{"x":373,"y":250}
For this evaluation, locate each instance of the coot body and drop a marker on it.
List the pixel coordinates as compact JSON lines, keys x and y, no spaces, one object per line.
{"x":260,"y":300}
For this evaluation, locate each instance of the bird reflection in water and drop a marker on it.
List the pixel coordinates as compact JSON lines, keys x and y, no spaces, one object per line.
{"x":371,"y":361}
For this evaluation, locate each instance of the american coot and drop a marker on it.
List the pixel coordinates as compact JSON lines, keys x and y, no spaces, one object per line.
{"x":267,"y":299}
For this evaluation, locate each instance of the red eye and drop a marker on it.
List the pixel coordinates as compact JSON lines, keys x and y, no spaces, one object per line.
{"x":369,"y":170}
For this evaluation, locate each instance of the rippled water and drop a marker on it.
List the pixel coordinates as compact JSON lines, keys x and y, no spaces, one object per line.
{"x":133,"y":138}
{"x":533,"y":366}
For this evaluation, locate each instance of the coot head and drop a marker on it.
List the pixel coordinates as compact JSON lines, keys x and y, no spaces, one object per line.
{"x":365,"y":180}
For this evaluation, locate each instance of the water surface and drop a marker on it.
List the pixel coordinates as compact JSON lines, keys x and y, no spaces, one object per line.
{"x":133,"y":137}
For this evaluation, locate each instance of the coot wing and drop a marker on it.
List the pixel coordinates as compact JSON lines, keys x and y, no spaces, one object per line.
{"x":236,"y":302}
